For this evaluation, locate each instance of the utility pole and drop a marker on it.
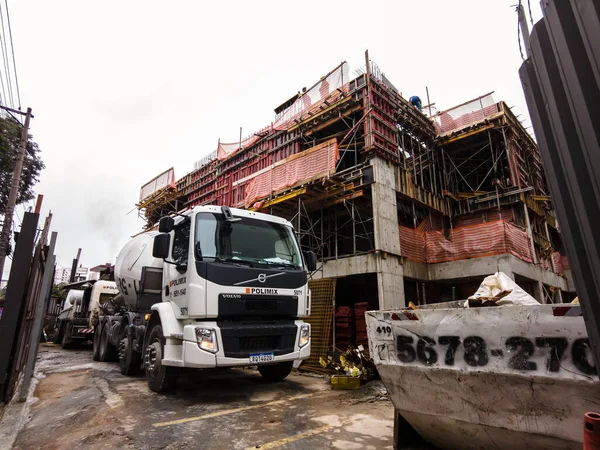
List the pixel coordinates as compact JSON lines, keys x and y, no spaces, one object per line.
{"x":524,"y":29}
{"x":14,"y":190}
{"x":74,"y":267}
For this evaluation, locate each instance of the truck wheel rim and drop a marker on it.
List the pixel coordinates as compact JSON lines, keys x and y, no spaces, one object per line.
{"x":123,"y":349}
{"x":153,"y":358}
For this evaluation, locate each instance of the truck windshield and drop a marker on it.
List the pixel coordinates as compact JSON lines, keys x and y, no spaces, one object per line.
{"x":247,"y":241}
{"x":104,"y":298}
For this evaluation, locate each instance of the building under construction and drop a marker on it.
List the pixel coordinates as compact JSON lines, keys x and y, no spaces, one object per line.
{"x":400,"y":204}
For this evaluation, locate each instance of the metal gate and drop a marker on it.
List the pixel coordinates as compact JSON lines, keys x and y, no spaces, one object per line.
{"x":29,"y":286}
{"x":320,"y":319}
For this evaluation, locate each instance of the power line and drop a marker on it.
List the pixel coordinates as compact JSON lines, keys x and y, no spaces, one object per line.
{"x":519,"y":31}
{"x":5,"y":59}
{"x":3,"y":99}
{"x":12,"y":49}
{"x":529,"y":8}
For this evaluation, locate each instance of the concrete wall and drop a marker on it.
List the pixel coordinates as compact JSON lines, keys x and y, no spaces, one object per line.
{"x":352,"y":265}
{"x":390,"y":282}
{"x":508,"y":264}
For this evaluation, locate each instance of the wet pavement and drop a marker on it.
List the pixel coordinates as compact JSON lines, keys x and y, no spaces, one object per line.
{"x":80,"y":403}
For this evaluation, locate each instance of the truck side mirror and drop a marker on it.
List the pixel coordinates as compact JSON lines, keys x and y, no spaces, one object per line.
{"x":166,"y":224}
{"x":311,"y":261}
{"x":160,"y":249}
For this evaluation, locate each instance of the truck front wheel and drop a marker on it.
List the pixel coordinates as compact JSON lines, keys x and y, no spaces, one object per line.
{"x":160,"y":378}
{"x":276,"y":372}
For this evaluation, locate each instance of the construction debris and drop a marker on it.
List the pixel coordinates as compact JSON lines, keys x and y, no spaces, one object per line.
{"x":355,"y":362}
{"x":499,"y":289}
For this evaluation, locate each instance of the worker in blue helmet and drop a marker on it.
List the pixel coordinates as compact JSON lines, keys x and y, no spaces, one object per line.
{"x":415,"y":101}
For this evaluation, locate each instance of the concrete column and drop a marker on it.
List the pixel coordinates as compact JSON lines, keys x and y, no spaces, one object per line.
{"x":390,"y":282}
{"x":539,"y":292}
{"x":385,"y":213}
{"x":558,"y":298}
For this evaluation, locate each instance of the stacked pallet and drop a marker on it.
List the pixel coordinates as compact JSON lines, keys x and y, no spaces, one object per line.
{"x":361,"y":324}
{"x":344,"y":327}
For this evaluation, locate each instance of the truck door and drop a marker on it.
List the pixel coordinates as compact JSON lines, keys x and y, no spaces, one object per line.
{"x":176,"y":275}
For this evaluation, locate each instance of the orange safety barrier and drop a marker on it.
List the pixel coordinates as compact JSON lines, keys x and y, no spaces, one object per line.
{"x":473,"y":241}
{"x":312,"y":164}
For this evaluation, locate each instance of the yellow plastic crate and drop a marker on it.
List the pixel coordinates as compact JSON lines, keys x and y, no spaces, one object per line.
{"x":344,"y":382}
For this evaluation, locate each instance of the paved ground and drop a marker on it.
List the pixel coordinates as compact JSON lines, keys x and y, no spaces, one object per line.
{"x":85,"y":404}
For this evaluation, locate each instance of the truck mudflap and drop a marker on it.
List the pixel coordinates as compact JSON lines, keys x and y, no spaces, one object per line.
{"x":490,"y":377}
{"x":82,"y":331}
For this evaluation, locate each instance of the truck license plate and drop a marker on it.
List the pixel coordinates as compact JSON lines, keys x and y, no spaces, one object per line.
{"x":262,"y":357}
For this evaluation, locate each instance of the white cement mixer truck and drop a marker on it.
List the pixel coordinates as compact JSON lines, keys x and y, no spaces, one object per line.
{"x":213,"y":287}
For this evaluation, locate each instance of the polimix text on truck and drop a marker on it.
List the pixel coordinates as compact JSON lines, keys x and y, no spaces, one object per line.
{"x":213,"y":287}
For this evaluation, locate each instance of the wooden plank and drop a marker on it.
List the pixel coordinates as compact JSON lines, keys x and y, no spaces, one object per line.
{"x":280,"y":199}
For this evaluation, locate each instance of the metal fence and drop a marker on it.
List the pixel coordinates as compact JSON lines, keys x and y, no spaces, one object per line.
{"x":29,"y":287}
{"x":561,"y":80}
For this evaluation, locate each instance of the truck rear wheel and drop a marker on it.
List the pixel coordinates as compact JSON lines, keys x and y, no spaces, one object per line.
{"x":96,"y":345}
{"x":57,"y":338}
{"x":129,"y":360}
{"x":160,"y":378}
{"x":276,"y":372}
{"x":107,"y":352}
{"x":66,"y":341}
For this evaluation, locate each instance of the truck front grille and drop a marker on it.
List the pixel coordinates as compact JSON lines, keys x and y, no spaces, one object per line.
{"x":261,"y":305}
{"x":279,"y":307}
{"x":256,"y":343}
{"x":242,"y":339}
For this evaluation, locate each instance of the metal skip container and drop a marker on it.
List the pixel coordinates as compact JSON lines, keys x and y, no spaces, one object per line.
{"x":489,"y":377}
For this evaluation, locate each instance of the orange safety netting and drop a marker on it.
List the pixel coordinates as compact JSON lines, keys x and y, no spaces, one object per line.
{"x":314,"y":163}
{"x":561,"y":263}
{"x":474,"y":241}
{"x":164,"y":180}
{"x":557,"y":260}
{"x":224,"y":151}
{"x":465,"y":115}
{"x":327,"y":89}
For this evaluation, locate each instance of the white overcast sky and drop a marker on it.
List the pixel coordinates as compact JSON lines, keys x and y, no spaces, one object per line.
{"x":122,"y":90}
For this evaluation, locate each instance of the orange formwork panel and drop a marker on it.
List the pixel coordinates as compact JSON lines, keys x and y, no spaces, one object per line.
{"x":314,"y":163}
{"x":473,"y":241}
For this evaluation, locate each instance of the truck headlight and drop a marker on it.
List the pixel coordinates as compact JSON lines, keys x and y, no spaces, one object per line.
{"x":304,"y":335}
{"x":207,"y":339}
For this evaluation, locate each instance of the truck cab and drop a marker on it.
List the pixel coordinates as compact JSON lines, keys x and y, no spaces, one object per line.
{"x":83,"y":299}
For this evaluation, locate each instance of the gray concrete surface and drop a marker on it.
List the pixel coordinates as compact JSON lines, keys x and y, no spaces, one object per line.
{"x":78,"y":403}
